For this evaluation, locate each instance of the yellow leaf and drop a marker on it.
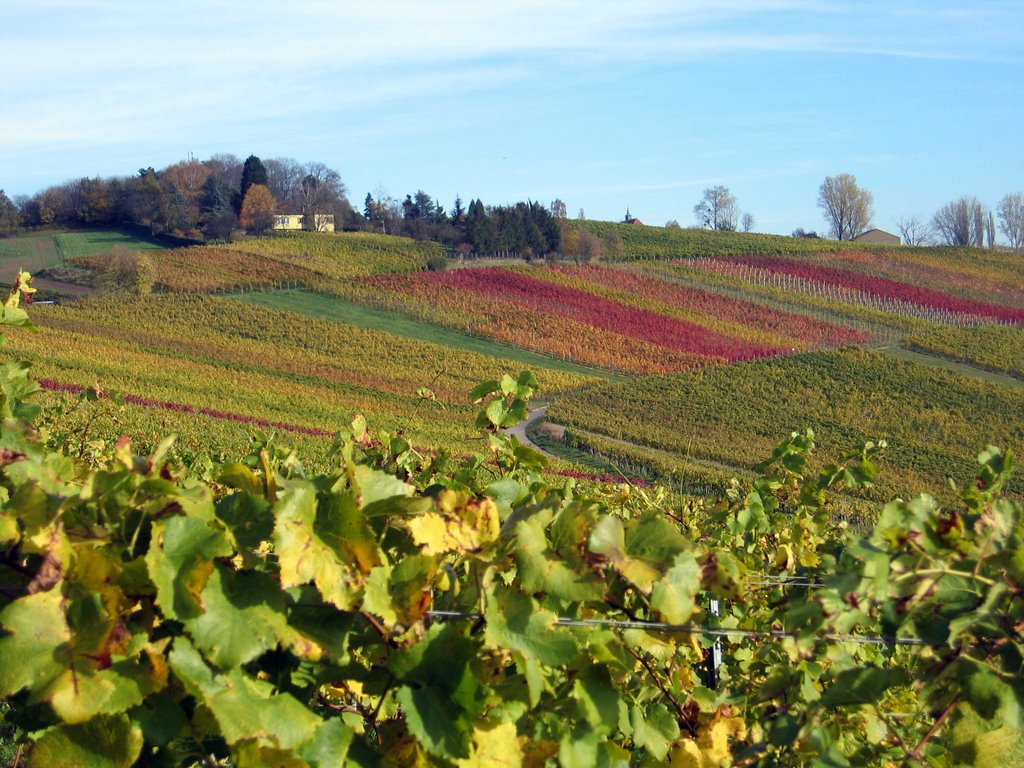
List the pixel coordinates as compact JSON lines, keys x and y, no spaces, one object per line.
{"x":460,"y":524}
{"x":494,"y":747}
{"x":711,"y":749}
{"x":686,"y":754}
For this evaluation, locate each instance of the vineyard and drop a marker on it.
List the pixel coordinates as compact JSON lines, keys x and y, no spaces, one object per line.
{"x":402,"y":610}
{"x":343,"y":558}
{"x":316,"y":262}
{"x":275,"y":366}
{"x":733,"y":415}
{"x":574,"y":325}
{"x":995,"y":348}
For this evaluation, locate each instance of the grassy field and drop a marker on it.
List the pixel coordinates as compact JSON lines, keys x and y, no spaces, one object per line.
{"x":48,"y":250}
{"x":360,"y":316}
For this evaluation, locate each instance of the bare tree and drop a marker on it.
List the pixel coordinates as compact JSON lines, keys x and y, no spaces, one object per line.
{"x":672,"y":224}
{"x":848,"y":209}
{"x":915,"y":231}
{"x":961,"y":222}
{"x":558,"y":209}
{"x":1011,"y":219}
{"x":747,"y":222}
{"x":284,"y":176}
{"x":717,"y":209}
{"x":318,"y":192}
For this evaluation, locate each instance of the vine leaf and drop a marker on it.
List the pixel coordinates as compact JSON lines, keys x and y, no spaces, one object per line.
{"x":108,"y":741}
{"x":244,"y":616}
{"x":180,"y":561}
{"x":542,"y":570}
{"x":862,"y":685}
{"x":517,"y":622}
{"x":495,"y":745}
{"x":305,"y":546}
{"x":440,"y":696}
{"x":37,"y":649}
{"x":674,"y":595}
{"x":246,"y":709}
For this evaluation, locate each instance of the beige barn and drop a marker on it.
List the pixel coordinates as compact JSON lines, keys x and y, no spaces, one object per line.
{"x":878,"y":237}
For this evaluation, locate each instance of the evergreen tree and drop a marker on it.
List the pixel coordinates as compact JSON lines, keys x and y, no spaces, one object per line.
{"x":253,"y":172}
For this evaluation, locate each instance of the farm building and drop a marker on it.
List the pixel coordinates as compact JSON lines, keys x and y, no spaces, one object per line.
{"x":877,"y":236}
{"x":324,"y":222}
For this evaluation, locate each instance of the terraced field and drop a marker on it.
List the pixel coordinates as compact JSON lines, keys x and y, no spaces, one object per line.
{"x":932,"y":419}
{"x":690,"y":357}
{"x":277,"y":367}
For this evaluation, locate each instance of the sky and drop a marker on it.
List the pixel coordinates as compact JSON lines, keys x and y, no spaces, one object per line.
{"x":638,"y":105}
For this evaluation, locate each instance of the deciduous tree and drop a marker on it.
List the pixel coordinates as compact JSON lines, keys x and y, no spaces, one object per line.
{"x":258,"y":210}
{"x":961,"y":222}
{"x":10,"y":216}
{"x":1011,"y":219}
{"x":558,"y":209}
{"x":848,"y":208}
{"x":717,"y":209}
{"x":253,"y":172}
{"x":915,"y":231}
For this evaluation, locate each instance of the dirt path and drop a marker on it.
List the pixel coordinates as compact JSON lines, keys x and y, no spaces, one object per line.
{"x":538,"y":414}
{"x":519,"y":430}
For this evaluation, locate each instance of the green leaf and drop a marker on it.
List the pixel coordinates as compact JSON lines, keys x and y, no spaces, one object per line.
{"x":246,"y":709}
{"x":673,"y":596}
{"x":505,"y":492}
{"x":109,"y":741}
{"x":517,"y":622}
{"x":542,"y":570}
{"x":483,"y":389}
{"x":37,"y":649}
{"x":401,"y":595}
{"x":608,"y":539}
{"x":654,"y":728}
{"x":440,"y":696}
{"x":329,"y":746}
{"x":598,"y":698}
{"x":161,"y":718}
{"x":58,"y":658}
{"x":863,"y":685}
{"x":304,"y":548}
{"x":244,"y":617}
{"x":372,"y":485}
{"x":180,"y":561}
{"x":237,"y":475}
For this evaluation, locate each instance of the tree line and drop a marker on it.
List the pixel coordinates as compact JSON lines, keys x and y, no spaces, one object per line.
{"x":848,"y":210}
{"x":211,"y":200}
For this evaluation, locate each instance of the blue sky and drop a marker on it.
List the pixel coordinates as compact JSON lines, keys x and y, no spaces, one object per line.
{"x":604,"y":105}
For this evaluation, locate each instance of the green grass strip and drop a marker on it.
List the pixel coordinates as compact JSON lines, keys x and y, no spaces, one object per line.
{"x":336,"y":310}
{"x":937,"y":361}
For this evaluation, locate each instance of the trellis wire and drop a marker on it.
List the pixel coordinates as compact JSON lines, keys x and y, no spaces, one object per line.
{"x":699,"y":629}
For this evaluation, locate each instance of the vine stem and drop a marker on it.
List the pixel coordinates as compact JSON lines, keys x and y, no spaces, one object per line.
{"x":936,"y":727}
{"x":661,"y":686}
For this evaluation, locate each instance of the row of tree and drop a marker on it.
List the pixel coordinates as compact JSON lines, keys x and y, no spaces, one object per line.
{"x":211,"y":199}
{"x":192,"y":199}
{"x":848,"y":210}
